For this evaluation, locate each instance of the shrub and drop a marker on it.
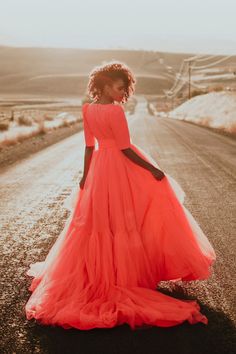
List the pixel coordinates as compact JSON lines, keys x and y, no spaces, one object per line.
{"x":197,"y":92}
{"x":4,"y":126}
{"x":22,"y":120}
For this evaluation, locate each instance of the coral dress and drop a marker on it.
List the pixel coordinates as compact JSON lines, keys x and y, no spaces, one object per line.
{"x":126,"y":232}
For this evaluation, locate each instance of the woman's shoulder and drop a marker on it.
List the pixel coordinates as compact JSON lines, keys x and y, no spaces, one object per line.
{"x":84,"y":108}
{"x":115,"y":107}
{"x":108,"y":105}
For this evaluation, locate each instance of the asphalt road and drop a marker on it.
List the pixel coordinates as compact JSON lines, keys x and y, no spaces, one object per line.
{"x":32,"y":215}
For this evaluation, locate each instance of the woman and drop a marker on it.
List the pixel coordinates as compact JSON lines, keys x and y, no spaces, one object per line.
{"x":127,"y":231}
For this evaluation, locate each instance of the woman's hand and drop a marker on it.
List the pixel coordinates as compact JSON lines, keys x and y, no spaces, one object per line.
{"x":158,"y":174}
{"x":81,"y":183}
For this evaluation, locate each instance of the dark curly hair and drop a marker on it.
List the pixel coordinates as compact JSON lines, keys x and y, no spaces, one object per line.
{"x":107,"y":74}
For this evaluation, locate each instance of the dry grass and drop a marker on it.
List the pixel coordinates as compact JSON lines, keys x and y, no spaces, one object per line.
{"x":39,"y":118}
{"x":22,"y":120}
{"x":4,"y":126}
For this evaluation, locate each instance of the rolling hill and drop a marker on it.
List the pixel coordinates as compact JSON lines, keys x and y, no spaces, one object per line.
{"x":63,"y":72}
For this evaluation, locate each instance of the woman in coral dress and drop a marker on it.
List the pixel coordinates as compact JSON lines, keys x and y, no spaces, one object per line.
{"x":128,"y":230}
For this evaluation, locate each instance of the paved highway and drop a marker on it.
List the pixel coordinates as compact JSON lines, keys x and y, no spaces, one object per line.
{"x":32,"y":215}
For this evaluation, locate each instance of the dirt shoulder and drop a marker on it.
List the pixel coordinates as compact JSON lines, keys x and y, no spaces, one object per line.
{"x":10,"y":154}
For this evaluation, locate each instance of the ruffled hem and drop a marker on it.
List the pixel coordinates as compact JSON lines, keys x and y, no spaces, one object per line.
{"x":134,"y":306}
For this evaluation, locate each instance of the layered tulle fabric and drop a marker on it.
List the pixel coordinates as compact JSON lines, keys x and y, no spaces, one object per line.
{"x":126,"y":232}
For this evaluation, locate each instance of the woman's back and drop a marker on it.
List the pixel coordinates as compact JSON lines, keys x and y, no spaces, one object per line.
{"x":105,"y":122}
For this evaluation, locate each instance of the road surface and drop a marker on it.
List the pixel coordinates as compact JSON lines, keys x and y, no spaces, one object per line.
{"x":32,"y":215}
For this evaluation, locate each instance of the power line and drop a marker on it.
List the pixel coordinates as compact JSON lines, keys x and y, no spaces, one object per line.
{"x":184,"y":71}
{"x":212,"y":64}
{"x":207,"y":58}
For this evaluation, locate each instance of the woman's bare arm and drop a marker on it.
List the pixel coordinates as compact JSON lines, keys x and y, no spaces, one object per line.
{"x":88,"y":152}
{"x":131,"y":154}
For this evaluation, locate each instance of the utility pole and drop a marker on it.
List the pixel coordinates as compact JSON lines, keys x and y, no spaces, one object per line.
{"x":189,"y":79}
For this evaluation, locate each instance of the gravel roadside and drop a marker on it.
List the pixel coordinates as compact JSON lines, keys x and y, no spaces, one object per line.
{"x":10,"y":154}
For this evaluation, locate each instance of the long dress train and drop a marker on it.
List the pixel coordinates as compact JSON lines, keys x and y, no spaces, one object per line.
{"x":126,"y":232}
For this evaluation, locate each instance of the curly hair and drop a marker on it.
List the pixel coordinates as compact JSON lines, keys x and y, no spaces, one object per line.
{"x":107,"y":74}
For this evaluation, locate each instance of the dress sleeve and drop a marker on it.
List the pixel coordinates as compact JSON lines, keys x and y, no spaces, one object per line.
{"x":88,"y":136}
{"x":120,"y":128}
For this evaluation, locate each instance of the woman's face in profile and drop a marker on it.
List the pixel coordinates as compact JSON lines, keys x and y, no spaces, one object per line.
{"x":117,"y":91}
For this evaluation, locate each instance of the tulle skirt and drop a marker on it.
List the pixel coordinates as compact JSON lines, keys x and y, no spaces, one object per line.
{"x":126,"y":232}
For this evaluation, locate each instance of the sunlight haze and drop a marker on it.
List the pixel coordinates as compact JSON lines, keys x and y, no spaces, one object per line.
{"x":204,"y":26}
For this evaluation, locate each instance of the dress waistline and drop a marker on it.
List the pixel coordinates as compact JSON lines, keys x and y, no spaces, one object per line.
{"x":106,"y":144}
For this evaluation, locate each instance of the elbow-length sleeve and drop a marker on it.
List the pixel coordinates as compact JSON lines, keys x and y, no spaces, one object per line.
{"x":120,"y":129}
{"x":88,"y":135}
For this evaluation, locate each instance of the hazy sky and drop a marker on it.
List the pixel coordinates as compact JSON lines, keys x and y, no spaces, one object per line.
{"x":202,"y":26}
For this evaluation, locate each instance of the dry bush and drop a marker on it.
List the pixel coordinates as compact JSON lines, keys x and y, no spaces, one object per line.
{"x":197,"y":93}
{"x":42,"y":129}
{"x":48,"y":117}
{"x":66,"y":124}
{"x":216,"y":88}
{"x":8,"y":142}
{"x":4,"y":126}
{"x":22,"y":120}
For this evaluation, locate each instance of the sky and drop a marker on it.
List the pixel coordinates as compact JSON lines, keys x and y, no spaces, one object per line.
{"x":201,"y":27}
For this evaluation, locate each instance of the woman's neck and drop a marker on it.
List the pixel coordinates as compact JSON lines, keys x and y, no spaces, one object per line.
{"x":104,"y":100}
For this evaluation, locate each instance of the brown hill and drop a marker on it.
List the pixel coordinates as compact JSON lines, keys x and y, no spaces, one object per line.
{"x":64,"y":72}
